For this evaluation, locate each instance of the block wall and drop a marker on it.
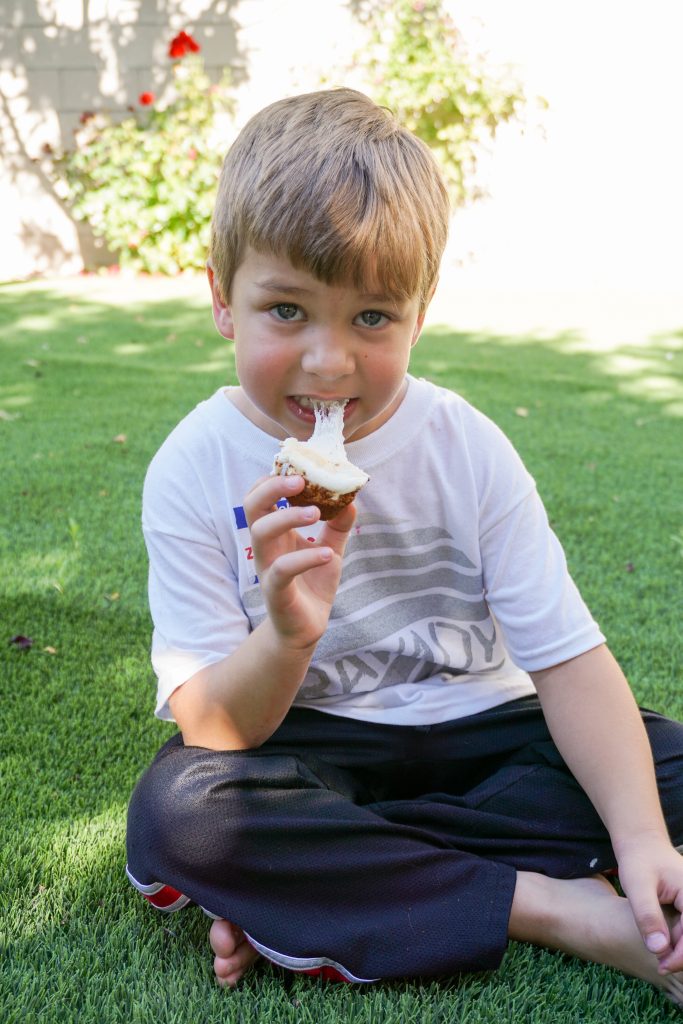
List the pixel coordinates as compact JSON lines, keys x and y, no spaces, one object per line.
{"x":59,"y":58}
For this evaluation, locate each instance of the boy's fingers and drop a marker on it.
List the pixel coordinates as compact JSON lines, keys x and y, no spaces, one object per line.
{"x":673,"y":961}
{"x":270,"y":527}
{"x":336,"y":531}
{"x":287,"y":567}
{"x":266,"y":492}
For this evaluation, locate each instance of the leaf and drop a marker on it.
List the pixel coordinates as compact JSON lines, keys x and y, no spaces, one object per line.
{"x":22,"y":643}
{"x":120,"y":439}
{"x":521,"y":411}
{"x":50,"y":650}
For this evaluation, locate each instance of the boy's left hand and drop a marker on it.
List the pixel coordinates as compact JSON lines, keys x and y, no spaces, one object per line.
{"x":651,"y":875}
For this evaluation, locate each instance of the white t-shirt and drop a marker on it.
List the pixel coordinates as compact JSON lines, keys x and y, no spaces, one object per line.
{"x":454,"y":586}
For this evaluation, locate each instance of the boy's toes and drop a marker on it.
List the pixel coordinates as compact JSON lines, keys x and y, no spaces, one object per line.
{"x":673,"y":989}
{"x":233,"y":956}
{"x":224,"y":937}
{"x":229,"y":970}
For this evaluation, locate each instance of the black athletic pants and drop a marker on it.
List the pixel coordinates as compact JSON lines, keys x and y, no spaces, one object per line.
{"x":387,"y":851}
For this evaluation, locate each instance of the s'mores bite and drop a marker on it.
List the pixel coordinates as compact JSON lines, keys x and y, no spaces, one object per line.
{"x":332,"y":482}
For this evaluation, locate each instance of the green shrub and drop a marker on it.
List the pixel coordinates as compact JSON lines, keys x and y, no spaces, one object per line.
{"x":146,"y":185}
{"x":417,"y":65}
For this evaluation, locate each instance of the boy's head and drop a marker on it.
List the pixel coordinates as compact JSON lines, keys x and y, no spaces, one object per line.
{"x":337,"y":186}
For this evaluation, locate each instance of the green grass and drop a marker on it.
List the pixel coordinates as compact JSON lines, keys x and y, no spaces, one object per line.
{"x":601,"y":435}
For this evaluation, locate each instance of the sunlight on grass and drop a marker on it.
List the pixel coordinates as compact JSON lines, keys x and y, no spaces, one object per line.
{"x":16,"y":401}
{"x":437,"y":366}
{"x":652,"y":370}
{"x":650,"y":376}
{"x":35,"y":322}
{"x":664,"y":388}
{"x":30,"y":571}
{"x":64,"y":856}
{"x":130,"y":349}
{"x":212,"y":365}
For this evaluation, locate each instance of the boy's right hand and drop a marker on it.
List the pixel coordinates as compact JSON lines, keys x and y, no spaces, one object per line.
{"x":298,"y":578}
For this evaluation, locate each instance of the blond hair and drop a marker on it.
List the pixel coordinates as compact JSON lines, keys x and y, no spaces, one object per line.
{"x":336,"y":185}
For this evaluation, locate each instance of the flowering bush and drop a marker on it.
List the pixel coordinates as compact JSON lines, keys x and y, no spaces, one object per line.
{"x":416,"y":65}
{"x":146,"y":185}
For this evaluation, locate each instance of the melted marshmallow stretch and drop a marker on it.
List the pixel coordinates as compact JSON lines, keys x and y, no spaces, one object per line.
{"x":322,"y":459}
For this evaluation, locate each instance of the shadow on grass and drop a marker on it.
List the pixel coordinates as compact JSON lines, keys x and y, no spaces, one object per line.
{"x":68,"y":326}
{"x":88,"y":391}
{"x":600,"y":431}
{"x":77,"y":726}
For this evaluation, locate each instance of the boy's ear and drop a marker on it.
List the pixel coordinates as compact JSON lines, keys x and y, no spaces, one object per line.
{"x":421,"y":318}
{"x":418,"y":329}
{"x":222,"y":312}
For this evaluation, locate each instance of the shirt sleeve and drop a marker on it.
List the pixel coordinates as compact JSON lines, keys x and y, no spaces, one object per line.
{"x":530,"y":591}
{"x":193,"y":587}
{"x":527,"y":583}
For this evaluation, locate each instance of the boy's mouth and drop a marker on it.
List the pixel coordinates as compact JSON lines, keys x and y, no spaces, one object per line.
{"x":307,"y":402}
{"x":303,"y":406}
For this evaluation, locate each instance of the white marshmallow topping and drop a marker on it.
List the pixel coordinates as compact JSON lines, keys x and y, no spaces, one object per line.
{"x":322,"y":459}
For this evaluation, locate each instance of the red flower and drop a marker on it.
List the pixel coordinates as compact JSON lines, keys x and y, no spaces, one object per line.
{"x":182,"y":44}
{"x":86,"y":116}
{"x":146,"y":99}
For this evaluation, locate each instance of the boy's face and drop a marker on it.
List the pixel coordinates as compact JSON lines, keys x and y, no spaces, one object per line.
{"x":297,"y":339}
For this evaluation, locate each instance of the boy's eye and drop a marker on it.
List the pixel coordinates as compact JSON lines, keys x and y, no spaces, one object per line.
{"x":286,"y":311}
{"x":371,"y":318}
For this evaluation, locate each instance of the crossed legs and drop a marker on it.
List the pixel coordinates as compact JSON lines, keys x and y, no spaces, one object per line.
{"x":309,"y":838}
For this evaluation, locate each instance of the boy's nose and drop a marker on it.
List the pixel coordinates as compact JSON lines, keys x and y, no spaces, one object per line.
{"x":327,"y":357}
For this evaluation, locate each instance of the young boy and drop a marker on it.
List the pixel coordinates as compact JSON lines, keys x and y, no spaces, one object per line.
{"x":403,"y":740}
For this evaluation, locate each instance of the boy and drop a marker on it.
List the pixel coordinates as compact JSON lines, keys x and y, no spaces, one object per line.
{"x":403,"y":739}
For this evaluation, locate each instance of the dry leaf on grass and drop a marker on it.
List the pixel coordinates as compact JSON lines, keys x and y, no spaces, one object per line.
{"x":22,"y":643}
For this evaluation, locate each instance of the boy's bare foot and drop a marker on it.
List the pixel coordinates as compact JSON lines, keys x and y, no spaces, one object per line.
{"x":588,"y":919}
{"x":233,"y":954}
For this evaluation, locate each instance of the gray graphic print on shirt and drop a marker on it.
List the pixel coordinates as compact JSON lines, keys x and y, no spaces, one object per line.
{"x":410,"y":606}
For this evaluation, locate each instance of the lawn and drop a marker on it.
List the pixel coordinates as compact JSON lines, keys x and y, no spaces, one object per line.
{"x":91,"y":381}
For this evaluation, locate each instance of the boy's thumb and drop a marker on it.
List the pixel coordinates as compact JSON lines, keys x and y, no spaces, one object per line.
{"x":653,"y":928}
{"x":657,"y":942}
{"x":344,"y":520}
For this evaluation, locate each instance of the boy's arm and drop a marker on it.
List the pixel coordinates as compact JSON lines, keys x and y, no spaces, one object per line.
{"x":596,"y":725}
{"x":238,"y":702}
